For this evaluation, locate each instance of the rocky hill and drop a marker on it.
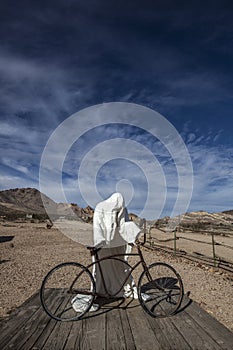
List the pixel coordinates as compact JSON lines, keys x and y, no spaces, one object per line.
{"x":203,"y":221}
{"x":21,"y":202}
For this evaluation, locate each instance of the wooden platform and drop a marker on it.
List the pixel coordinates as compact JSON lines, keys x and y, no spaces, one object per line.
{"x":115,"y":326}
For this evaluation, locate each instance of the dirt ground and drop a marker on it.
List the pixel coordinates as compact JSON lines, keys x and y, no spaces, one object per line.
{"x":223,"y":247}
{"x":29,"y":251}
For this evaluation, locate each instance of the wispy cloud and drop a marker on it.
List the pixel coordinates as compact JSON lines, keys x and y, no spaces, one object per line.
{"x":31,"y":88}
{"x":213,"y":169}
{"x":79,"y":54}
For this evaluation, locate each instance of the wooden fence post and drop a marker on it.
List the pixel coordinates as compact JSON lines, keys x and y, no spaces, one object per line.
{"x":213,"y":246}
{"x":144,"y":230}
{"x":149,"y":236}
{"x":175,"y":241}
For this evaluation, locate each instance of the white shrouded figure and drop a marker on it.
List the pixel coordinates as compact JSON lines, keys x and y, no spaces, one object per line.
{"x":112,"y":232}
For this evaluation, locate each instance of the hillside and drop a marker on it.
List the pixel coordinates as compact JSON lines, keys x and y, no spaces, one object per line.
{"x":16,"y":203}
{"x":28,"y":200}
{"x":203,"y":221}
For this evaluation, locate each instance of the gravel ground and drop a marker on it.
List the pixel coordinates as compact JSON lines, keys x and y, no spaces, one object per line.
{"x":33,"y":251}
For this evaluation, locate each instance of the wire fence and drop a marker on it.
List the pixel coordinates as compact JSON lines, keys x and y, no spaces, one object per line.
{"x":171,"y":245}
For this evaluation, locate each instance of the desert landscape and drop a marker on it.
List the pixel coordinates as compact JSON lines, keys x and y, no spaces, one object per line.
{"x":29,"y":251}
{"x":30,"y":247}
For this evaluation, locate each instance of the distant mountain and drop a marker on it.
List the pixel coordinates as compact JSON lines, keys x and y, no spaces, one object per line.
{"x":203,"y":221}
{"x":18,"y":202}
{"x":27,"y":200}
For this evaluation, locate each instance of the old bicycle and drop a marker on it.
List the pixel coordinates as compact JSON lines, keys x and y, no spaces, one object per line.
{"x":159,"y":287}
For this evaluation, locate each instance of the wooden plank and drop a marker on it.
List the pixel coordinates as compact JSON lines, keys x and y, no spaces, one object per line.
{"x":195,"y":336}
{"x":115,"y":337}
{"x":73,"y":339}
{"x":60,"y":332}
{"x":44,"y":324}
{"x":32,"y":329}
{"x":129,"y":341}
{"x":18,"y":327}
{"x":21,"y":310}
{"x":143,"y":335}
{"x":131,"y":328}
{"x":58,"y":336}
{"x":167,"y":334}
{"x":43,"y":336}
{"x":19,"y":338}
{"x":94,"y":332}
{"x":222,"y":335}
{"x":10,"y":325}
{"x":28,"y":328}
{"x":44,"y":329}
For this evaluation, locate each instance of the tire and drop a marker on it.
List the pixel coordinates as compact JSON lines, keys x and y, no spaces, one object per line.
{"x":61,"y":285}
{"x":160,"y":290}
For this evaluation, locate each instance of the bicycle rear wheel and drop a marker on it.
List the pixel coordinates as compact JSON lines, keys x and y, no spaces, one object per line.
{"x":160,"y":290}
{"x":67,"y":291}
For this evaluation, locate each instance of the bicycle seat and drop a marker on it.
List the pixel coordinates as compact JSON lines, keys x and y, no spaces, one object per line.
{"x":93,"y":249}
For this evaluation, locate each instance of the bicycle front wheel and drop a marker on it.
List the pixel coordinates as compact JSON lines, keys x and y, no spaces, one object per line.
{"x":160,"y":290}
{"x":67,"y":291}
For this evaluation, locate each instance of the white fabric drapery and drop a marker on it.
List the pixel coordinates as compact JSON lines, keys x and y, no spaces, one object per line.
{"x":113,"y":232}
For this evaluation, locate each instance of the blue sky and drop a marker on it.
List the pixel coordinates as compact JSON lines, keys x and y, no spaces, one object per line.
{"x":175,"y":57}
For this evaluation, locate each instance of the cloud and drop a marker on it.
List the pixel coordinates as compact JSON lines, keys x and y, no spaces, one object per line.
{"x":10,"y":181}
{"x":76,"y":55}
{"x":212,"y":170}
{"x":144,"y":142}
{"x":33,"y":88}
{"x":213,"y":180}
{"x":14,"y":165}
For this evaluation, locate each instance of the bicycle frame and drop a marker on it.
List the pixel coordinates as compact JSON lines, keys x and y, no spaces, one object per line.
{"x":113,"y":257}
{"x":159,"y":287}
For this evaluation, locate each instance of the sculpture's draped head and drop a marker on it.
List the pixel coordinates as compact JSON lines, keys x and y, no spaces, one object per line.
{"x":116,"y":200}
